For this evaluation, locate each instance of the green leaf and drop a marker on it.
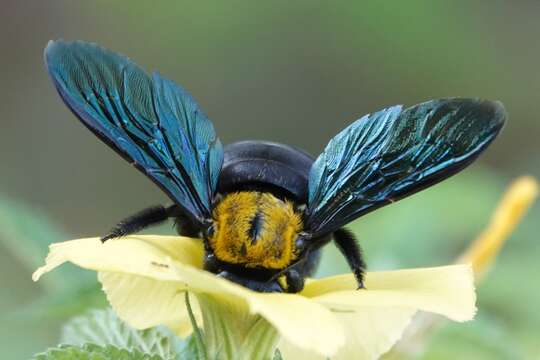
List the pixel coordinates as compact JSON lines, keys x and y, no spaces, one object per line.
{"x":190,"y":349}
{"x":93,"y":352}
{"x":103,"y":327}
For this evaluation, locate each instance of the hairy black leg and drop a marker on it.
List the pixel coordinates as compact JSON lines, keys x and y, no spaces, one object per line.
{"x":347,"y":244}
{"x":185,"y":227}
{"x":144,"y":218}
{"x":295,"y":281}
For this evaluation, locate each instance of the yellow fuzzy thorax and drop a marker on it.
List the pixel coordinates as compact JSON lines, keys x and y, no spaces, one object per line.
{"x":255,"y":229}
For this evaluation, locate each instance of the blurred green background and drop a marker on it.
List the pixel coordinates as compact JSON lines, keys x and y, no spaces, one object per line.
{"x":293,"y":72}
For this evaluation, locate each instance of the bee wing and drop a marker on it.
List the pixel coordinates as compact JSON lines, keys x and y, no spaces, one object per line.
{"x":393,"y":153}
{"x":150,"y":121}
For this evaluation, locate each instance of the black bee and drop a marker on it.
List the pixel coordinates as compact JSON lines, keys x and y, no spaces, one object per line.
{"x":264,"y":210}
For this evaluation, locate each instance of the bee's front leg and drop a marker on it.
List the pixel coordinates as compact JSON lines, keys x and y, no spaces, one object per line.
{"x":141,"y":220}
{"x":295,"y":281}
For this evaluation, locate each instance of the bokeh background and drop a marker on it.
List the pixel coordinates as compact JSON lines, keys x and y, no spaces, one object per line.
{"x":294,"y":72}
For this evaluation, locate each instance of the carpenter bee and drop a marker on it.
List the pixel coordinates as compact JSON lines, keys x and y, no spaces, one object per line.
{"x":263,"y":210}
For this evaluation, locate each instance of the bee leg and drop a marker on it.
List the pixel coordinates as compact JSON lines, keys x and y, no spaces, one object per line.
{"x":295,"y":281}
{"x":184,"y":226}
{"x":144,"y":218}
{"x":347,"y":244}
{"x":211,"y":263}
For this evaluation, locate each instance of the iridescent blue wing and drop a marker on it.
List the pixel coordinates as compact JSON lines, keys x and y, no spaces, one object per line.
{"x":394,"y":153}
{"x":152,"y":122}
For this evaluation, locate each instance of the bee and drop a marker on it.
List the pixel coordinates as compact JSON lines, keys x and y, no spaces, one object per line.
{"x":263,"y":210}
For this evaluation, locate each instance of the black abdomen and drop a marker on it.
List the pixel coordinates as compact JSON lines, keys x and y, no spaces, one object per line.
{"x":266,"y":166}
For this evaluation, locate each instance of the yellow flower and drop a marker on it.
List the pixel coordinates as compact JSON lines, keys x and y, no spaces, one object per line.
{"x":146,"y":277}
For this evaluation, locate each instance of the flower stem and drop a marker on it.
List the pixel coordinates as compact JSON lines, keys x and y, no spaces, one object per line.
{"x":201,"y":348}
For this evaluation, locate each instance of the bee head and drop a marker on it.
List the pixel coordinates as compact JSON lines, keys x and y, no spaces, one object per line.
{"x":255,"y":229}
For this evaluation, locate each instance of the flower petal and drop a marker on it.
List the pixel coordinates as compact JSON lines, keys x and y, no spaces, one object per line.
{"x":294,"y":316}
{"x":163,"y":259}
{"x":142,"y":255}
{"x":135,"y":275}
{"x":445,"y":290}
{"x":375,"y":319}
{"x":144,"y":302}
{"x":369,"y":334}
